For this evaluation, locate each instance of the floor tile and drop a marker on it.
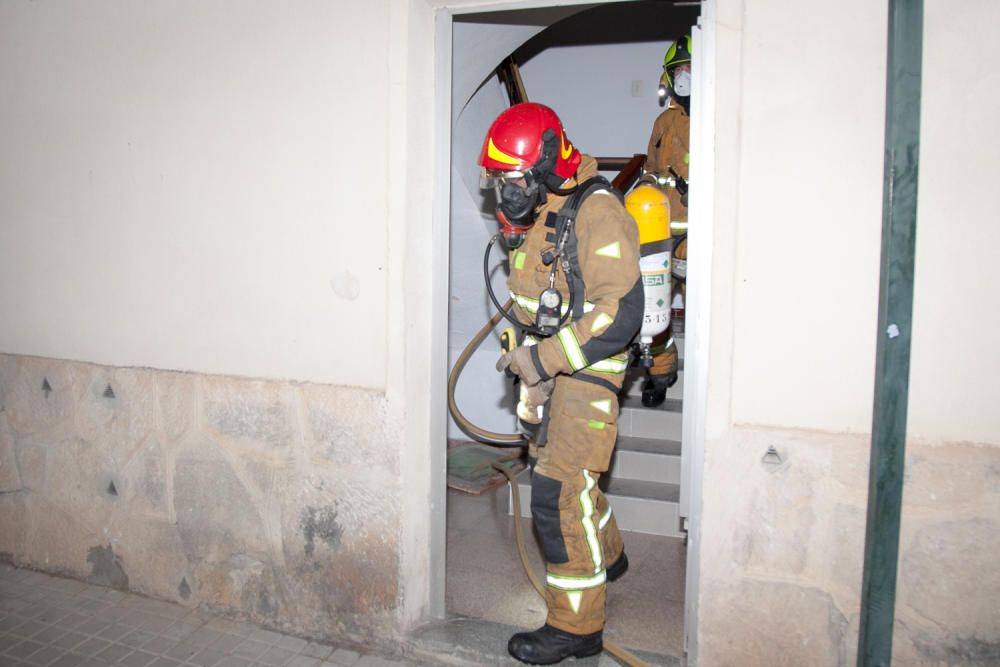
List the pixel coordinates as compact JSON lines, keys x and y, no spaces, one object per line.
{"x":303,"y":661}
{"x":92,"y":626}
{"x":69,"y":660}
{"x":114,"y":632}
{"x":343,"y":656}
{"x":114,"y":653}
{"x":8,"y":623}
{"x":164,"y":662}
{"x":136,"y":638}
{"x":28,"y":629}
{"x":158,"y":645}
{"x":317,"y":650}
{"x":70,"y":640}
{"x":182,"y":651}
{"x":275,"y":656}
{"x":249,"y":649}
{"x":265,"y":636}
{"x":137,"y":659}
{"x":206,"y":657}
{"x":234,"y":661}
{"x":294,"y":644}
{"x":45,"y":655}
{"x":92,"y":647}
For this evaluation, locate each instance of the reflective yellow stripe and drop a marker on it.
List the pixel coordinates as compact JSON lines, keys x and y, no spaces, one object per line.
{"x":575,"y":598}
{"x":596,"y":424}
{"x":531,"y":305}
{"x":588,"y":521}
{"x":604,"y":520}
{"x":601,"y":322}
{"x":519,"y":258}
{"x":571,"y":348}
{"x":498,"y":155}
{"x":565,"y":583}
{"x":609,"y":365}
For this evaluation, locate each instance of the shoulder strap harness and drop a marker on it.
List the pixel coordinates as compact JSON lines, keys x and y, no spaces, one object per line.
{"x":567,"y":245}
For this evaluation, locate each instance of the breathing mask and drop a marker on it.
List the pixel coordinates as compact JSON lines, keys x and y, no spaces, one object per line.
{"x":676,"y":83}
{"x":519,"y":193}
{"x":682,"y":83}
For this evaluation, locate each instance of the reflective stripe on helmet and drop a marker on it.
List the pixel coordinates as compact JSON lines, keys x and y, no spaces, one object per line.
{"x":498,"y":155}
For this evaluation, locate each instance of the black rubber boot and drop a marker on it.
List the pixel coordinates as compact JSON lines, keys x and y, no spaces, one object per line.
{"x":548,"y":645}
{"x":618,"y":568}
{"x":654,"y":392}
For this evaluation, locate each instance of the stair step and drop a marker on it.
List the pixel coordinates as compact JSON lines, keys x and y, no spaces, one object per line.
{"x":642,"y":507}
{"x":646,"y":459}
{"x":649,"y":445}
{"x":644,"y":466}
{"x":663,"y":422}
{"x":640,"y":490}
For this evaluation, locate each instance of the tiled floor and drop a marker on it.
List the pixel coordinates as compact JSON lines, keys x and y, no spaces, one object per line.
{"x":48,"y":621}
{"x":485,"y":579}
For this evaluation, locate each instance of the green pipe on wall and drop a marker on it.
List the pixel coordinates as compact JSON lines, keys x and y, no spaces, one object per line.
{"x":895,"y":317}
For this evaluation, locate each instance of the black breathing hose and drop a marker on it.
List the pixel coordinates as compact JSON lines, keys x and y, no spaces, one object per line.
{"x":505,"y":310}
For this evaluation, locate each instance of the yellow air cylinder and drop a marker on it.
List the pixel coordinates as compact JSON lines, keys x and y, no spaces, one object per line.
{"x":651,"y":209}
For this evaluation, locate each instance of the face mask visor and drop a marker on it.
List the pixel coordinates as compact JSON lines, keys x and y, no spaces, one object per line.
{"x":494,"y":179}
{"x":515,"y":203}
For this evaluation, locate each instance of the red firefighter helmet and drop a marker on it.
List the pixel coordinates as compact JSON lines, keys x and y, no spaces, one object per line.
{"x":514,"y":142}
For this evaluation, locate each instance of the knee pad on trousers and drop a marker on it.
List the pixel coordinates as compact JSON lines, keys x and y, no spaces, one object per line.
{"x":545,"y":493}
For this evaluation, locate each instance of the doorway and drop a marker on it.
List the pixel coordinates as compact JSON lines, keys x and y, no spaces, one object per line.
{"x":608,"y":112}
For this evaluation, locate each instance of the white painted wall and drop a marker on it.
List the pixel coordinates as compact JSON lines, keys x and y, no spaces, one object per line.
{"x":809,"y":220}
{"x":809,"y":207}
{"x":591,"y":88}
{"x":955,"y":354}
{"x":197,"y":186}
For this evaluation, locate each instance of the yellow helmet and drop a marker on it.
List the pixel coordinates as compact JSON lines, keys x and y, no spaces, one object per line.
{"x":650,"y":207}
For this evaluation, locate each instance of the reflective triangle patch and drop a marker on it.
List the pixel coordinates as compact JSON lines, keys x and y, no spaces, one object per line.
{"x":601,"y":322}
{"x":575,"y":598}
{"x":611,"y":250}
{"x":604,"y":406}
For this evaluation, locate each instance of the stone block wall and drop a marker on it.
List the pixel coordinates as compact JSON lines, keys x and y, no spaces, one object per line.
{"x":274,"y":501}
{"x":783,"y":551}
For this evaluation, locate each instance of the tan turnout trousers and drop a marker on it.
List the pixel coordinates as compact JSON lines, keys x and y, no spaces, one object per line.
{"x":588,"y":360}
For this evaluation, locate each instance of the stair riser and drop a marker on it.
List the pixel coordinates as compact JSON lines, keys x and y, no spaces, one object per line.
{"x":646,"y":466}
{"x":640,"y":515}
{"x":661,"y":424}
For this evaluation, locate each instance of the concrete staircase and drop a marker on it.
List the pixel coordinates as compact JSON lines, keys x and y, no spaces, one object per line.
{"x":643,"y":483}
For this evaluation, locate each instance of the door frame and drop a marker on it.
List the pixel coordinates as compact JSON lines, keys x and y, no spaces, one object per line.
{"x":698,"y":300}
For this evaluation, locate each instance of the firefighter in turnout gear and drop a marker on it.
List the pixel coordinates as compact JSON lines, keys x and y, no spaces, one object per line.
{"x":575,"y":283}
{"x":667,"y":163}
